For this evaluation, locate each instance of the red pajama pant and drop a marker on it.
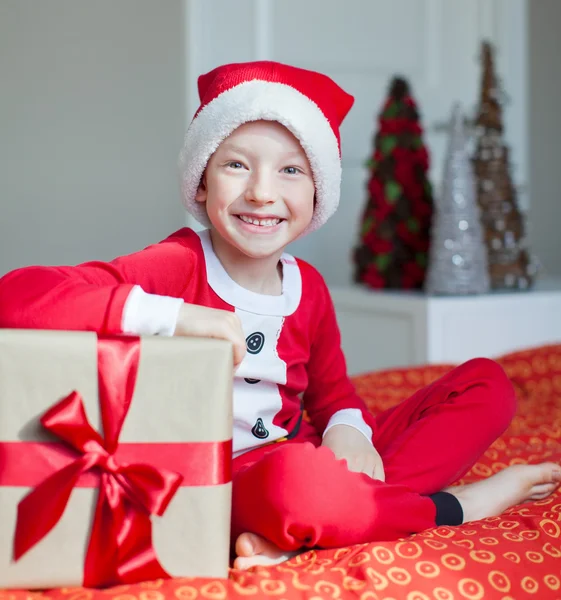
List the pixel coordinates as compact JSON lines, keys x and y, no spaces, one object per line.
{"x":296,"y":494}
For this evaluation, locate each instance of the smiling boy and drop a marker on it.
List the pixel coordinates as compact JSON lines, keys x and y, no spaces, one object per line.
{"x":261,"y":167}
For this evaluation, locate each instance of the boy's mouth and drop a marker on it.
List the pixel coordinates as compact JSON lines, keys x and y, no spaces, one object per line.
{"x":261,"y":221}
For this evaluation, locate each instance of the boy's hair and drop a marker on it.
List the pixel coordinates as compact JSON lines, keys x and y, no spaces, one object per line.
{"x":310,"y":105}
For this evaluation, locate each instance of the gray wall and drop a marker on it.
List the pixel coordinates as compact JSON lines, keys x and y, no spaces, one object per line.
{"x":545,"y":132}
{"x":91,"y":121}
{"x":92,"y":103}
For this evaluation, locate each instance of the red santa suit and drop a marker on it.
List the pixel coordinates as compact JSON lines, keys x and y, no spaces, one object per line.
{"x":286,"y":487}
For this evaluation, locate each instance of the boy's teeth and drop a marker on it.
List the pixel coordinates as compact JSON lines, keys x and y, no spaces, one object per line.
{"x":261,"y":222}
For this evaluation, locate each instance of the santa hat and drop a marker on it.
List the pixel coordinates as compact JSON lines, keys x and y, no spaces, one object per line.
{"x":309,"y":104}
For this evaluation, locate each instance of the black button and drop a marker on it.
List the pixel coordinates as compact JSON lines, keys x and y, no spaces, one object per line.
{"x":251,"y":381}
{"x":254,"y":342}
{"x":259,"y":430}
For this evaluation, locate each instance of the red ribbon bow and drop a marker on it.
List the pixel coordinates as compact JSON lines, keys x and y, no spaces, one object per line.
{"x":120,"y":548}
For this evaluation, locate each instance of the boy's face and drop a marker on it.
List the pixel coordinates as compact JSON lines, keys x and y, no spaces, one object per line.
{"x":258,"y":189}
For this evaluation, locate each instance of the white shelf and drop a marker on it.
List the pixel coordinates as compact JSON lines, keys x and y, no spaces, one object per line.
{"x":383,"y":329}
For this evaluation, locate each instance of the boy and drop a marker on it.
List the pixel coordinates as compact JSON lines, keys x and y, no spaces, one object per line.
{"x":261,"y":167}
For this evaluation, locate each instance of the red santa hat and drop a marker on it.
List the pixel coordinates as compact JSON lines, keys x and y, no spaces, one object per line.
{"x":309,"y":104}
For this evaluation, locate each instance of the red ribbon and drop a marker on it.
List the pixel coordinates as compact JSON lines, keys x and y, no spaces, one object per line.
{"x":120,"y":549}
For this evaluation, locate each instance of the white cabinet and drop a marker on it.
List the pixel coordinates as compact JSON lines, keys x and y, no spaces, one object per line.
{"x":382,"y":329}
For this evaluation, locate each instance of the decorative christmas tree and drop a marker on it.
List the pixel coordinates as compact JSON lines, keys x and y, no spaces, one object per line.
{"x":395,"y":229}
{"x":509,"y":263}
{"x":458,"y":254}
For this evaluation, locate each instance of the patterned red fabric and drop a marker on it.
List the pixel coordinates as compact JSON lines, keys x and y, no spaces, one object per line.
{"x":514,"y":556}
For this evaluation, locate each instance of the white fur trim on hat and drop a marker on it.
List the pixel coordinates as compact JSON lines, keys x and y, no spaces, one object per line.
{"x":270,"y":101}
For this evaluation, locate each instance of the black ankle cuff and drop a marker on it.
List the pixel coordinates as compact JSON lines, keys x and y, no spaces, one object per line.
{"x":448,"y":509}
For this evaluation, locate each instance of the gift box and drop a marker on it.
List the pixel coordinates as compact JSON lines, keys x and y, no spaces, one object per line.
{"x":115,"y":458}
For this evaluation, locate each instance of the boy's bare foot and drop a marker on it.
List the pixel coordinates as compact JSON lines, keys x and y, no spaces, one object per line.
{"x":253,"y":550}
{"x":509,"y":487}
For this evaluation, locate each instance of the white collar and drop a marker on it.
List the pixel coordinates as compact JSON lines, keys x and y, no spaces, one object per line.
{"x":238,"y":296}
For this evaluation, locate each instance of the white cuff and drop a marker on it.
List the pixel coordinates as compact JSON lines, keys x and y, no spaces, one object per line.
{"x":353,"y":418}
{"x":150,"y":314}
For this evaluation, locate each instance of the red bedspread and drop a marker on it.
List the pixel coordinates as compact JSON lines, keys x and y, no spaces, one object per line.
{"x":515,"y":556}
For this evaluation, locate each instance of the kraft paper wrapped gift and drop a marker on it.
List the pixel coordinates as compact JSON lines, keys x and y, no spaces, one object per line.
{"x":115,"y":458}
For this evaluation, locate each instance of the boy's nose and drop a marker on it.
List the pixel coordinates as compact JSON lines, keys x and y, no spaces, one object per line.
{"x":260,"y":190}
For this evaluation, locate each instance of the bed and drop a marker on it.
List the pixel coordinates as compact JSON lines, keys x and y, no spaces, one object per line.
{"x":515,"y":556}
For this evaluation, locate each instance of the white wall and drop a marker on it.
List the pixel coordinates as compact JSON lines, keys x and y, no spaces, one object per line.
{"x":545,"y":132}
{"x":91,"y":121}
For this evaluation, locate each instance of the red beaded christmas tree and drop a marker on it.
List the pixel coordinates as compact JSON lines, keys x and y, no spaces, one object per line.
{"x":395,"y":227}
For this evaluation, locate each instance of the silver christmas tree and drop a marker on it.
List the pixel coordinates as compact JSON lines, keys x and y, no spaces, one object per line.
{"x":458,"y":255}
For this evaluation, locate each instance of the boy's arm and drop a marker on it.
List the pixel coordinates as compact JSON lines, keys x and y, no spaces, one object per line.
{"x":139,"y":293}
{"x":330,"y":398}
{"x":334,"y":407}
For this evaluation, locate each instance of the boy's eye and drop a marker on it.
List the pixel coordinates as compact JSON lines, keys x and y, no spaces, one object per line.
{"x":292,"y":170}
{"x":235,"y":164}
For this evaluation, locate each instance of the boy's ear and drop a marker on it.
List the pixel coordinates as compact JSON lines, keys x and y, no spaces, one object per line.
{"x":201,"y":193}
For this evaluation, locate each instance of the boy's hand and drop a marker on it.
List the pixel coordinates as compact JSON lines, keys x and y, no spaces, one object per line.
{"x":201,"y":321}
{"x":348,"y":443}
